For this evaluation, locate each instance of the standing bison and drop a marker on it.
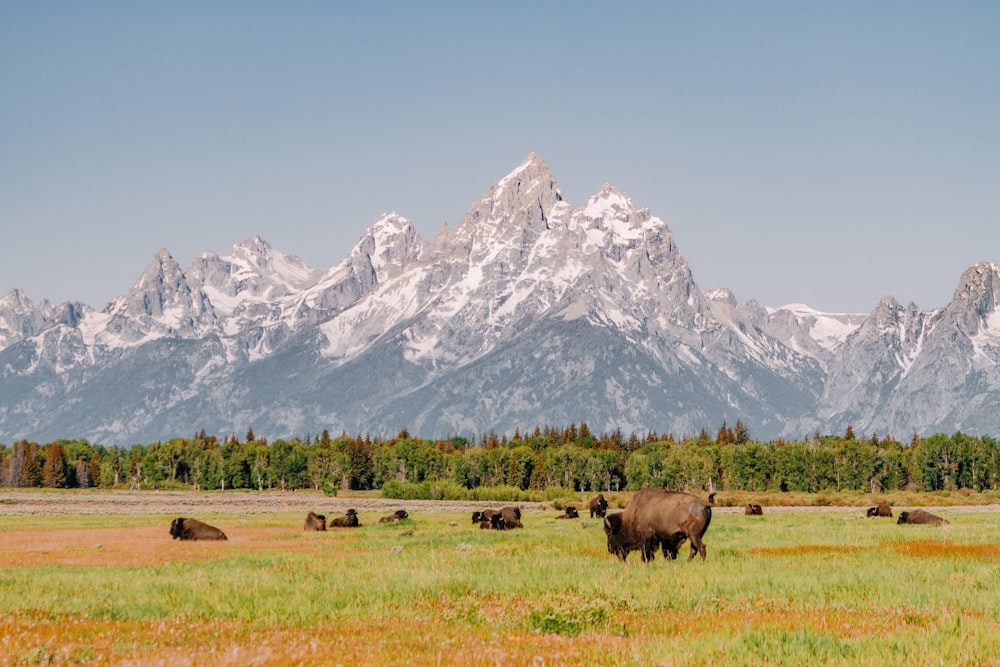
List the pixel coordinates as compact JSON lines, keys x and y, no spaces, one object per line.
{"x":598,"y":506}
{"x":655,"y":518}
{"x":314,"y":522}
{"x":192,"y":529}
{"x":920,"y":517}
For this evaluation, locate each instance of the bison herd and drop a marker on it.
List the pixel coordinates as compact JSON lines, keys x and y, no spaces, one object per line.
{"x":505,"y":518}
{"x":654,"y":519}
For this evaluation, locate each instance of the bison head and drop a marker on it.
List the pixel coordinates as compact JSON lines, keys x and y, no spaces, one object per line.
{"x":177,"y":528}
{"x":613,"y":529}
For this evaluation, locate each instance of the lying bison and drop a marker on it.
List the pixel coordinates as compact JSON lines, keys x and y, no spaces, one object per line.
{"x":192,"y":529}
{"x":510,"y":513}
{"x":314,"y":522}
{"x":920,"y":517}
{"x":655,"y":518}
{"x":349,"y":520}
{"x":395,"y":517}
{"x":754,"y":509}
{"x":494,"y":522}
{"x":598,"y":506}
{"x":569,"y":513}
{"x":882,"y":509}
{"x":502,"y":519}
{"x":484,"y":515}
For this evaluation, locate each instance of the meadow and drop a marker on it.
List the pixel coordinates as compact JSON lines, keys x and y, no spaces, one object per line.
{"x":795,"y":586}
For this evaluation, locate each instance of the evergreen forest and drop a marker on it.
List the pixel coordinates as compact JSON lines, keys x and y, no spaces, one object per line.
{"x":527,"y":465}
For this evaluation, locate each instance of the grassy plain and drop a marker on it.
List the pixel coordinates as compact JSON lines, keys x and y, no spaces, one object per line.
{"x":799,"y":587}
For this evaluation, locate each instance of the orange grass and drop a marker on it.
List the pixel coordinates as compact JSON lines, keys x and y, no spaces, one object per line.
{"x":142,"y":546}
{"x":43,"y":639}
{"x":467,"y":627}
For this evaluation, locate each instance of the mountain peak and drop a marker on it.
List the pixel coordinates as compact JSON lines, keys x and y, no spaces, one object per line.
{"x":519,"y":203}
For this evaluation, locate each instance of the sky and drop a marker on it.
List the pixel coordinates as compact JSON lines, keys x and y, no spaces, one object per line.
{"x":800,"y":152}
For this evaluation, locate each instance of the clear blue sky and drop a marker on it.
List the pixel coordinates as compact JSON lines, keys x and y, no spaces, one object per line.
{"x":820,"y":152}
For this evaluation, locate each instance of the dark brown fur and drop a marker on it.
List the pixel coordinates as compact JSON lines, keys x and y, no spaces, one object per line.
{"x":882,"y":509}
{"x":569,"y":513}
{"x":598,"y":506}
{"x":655,"y":518}
{"x":510,"y":513}
{"x":921,"y":517}
{"x":349,"y":520}
{"x":192,"y":529}
{"x":395,"y":517}
{"x":753,"y":510}
{"x":314,"y":522}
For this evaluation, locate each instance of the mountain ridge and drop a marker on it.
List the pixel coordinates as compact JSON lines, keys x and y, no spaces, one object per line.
{"x":388,"y":337}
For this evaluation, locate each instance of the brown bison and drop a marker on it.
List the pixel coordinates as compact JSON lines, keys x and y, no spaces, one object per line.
{"x":395,"y":517}
{"x":349,"y":520}
{"x":484,"y":515}
{"x":192,"y":529}
{"x":655,"y":518}
{"x":598,"y":506}
{"x":494,"y":522}
{"x":314,"y":522}
{"x":510,"y":513}
{"x":569,"y":513}
{"x":882,"y":509}
{"x":754,"y":509}
{"x":920,"y":517}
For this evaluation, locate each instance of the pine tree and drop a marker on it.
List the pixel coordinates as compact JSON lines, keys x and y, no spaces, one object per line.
{"x":742,"y":436}
{"x":54,"y":469}
{"x":31,"y":473}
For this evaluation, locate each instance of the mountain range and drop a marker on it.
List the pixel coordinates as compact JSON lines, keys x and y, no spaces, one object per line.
{"x":528,"y":312}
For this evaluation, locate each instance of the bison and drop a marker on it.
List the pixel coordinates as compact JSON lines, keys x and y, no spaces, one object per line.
{"x":349,"y":520}
{"x":395,"y":517}
{"x":510,"y":513}
{"x":882,"y":509}
{"x":495,"y":522}
{"x":920,"y":517}
{"x":484,"y":515}
{"x":192,"y":529}
{"x":569,"y":513}
{"x":314,"y":522}
{"x":598,"y":506}
{"x":754,"y":509}
{"x":655,"y":518}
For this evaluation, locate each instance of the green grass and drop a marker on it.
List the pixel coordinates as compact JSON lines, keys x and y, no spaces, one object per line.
{"x":786,"y":588}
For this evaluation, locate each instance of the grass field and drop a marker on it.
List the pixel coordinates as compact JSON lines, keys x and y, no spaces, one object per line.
{"x":800,"y":587}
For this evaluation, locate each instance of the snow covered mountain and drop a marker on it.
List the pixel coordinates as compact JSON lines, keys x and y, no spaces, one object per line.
{"x":529,"y":312}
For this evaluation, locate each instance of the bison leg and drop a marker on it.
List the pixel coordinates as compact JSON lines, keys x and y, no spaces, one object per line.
{"x":649,"y":550}
{"x":697,"y":547}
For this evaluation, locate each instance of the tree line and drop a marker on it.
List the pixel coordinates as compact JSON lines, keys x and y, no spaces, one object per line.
{"x":571,"y":458}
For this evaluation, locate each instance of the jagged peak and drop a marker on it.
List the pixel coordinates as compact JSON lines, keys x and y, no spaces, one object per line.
{"x":532,"y":167}
{"x":163,"y":263}
{"x":391,"y":240}
{"x":721,"y":295}
{"x":255,"y":244}
{"x":15,"y":295}
{"x":608,"y":201}
{"x":978,"y":286}
{"x":525,"y":198}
